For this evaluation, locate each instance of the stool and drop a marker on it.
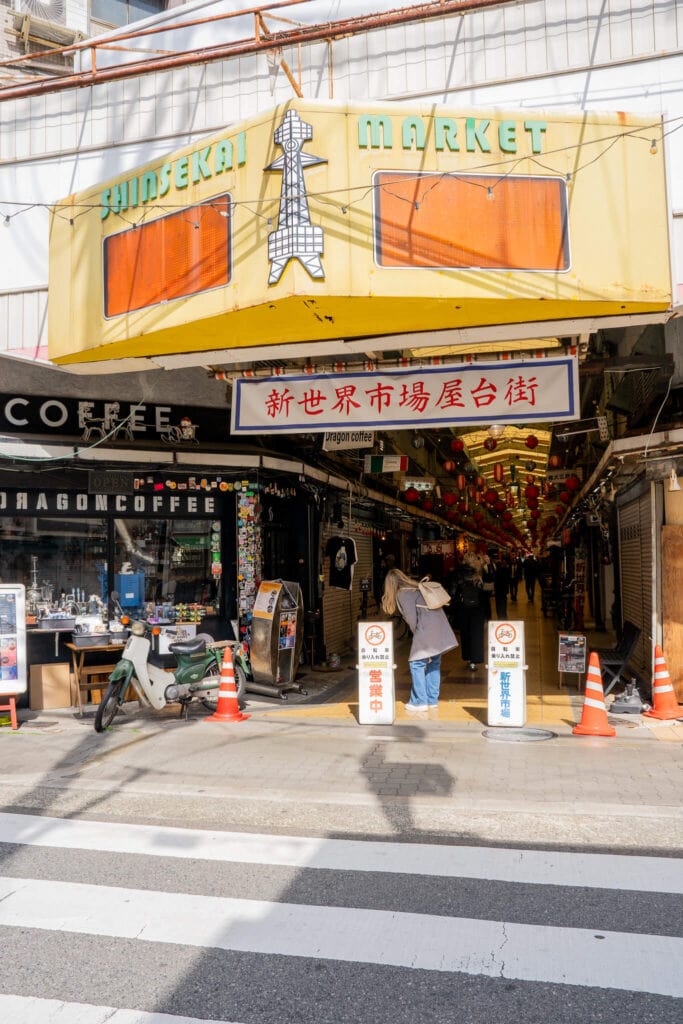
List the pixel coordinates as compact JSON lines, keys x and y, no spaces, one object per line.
{"x":12,"y":708}
{"x":89,"y":680}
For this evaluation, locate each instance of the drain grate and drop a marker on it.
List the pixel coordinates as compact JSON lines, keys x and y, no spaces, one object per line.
{"x":504,"y":734}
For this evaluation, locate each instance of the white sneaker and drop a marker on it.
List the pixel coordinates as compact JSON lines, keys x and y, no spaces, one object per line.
{"x":432,"y":705}
{"x":416,"y":707}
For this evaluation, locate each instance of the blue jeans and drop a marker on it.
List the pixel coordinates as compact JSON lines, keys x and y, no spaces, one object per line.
{"x":426,"y":676}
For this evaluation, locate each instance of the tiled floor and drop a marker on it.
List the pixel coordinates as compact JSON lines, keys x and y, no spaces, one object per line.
{"x":464,"y":692}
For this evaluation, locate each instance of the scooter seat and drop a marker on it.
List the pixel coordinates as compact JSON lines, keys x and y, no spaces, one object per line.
{"x":194,"y":646}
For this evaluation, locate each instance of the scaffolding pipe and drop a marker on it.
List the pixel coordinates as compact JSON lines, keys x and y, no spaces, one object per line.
{"x":328,"y":31}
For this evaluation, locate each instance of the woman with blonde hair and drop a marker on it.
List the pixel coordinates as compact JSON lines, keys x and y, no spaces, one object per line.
{"x":432,"y":637}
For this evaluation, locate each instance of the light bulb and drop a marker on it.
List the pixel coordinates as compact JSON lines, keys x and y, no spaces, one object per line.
{"x":6,"y":221}
{"x":489,"y":194}
{"x":653,"y":147}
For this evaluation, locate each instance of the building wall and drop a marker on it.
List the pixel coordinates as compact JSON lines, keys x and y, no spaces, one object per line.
{"x":539,"y":54}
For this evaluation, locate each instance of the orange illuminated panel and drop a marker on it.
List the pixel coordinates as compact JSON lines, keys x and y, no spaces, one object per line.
{"x":470,"y":221}
{"x":169,"y":258}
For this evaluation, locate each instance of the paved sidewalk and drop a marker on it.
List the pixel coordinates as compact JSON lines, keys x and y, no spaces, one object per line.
{"x":306,"y":765}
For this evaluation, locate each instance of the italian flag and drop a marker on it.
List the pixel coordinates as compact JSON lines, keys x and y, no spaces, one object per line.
{"x":385,"y":463}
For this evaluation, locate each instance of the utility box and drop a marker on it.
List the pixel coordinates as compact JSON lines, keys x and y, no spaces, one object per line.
{"x":50,"y":687}
{"x":276,"y":638}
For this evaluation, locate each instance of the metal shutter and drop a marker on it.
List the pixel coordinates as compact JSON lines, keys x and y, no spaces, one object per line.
{"x":637,"y":569}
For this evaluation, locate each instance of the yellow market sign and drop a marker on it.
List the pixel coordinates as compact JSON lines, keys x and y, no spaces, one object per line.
{"x":315,"y":222}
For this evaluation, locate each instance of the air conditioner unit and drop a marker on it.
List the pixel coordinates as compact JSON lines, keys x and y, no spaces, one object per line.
{"x":49,"y":24}
{"x":45,"y":12}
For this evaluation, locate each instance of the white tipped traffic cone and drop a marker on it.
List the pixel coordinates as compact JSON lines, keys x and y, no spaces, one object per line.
{"x":664,"y":700}
{"x":228,"y":709}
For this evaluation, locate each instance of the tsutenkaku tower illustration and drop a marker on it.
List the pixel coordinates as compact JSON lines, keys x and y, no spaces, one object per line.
{"x":295,"y":237}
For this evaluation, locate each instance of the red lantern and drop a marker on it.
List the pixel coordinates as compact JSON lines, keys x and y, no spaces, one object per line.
{"x":532,"y":491}
{"x":451,"y":515}
{"x":449,"y":466}
{"x":457,"y":444}
{"x":490,"y":444}
{"x":531,"y":441}
{"x":412,"y":495}
{"x":560,"y":509}
{"x":566,"y":497}
{"x":555,"y":461}
{"x":572,"y":483}
{"x":480,"y":482}
{"x":531,"y":524}
{"x":478,"y":516}
{"x":499,"y":505}
{"x":532,"y":503}
{"x":449,"y":498}
{"x":491,"y":496}
{"x":461,"y":482}
{"x":428,"y":504}
{"x":507,"y":516}
{"x":498,"y":472}
{"x":535,"y":514}
{"x":462,"y":507}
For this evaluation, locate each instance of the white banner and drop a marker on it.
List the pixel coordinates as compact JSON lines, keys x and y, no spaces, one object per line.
{"x":506,"y":391}
{"x":376,"y":698}
{"x":343,"y":440}
{"x":506,"y":673}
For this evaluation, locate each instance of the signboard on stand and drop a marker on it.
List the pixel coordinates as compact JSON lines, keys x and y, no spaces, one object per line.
{"x":376,"y":700}
{"x":13,"y":676}
{"x":571,"y":656}
{"x":506,"y":673}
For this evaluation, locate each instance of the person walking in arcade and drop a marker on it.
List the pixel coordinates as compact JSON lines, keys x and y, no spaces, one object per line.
{"x":432,"y":637}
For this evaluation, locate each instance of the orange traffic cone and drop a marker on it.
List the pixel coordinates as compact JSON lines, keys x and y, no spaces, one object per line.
{"x":665,"y":704}
{"x":228,"y":709}
{"x":594,"y":716}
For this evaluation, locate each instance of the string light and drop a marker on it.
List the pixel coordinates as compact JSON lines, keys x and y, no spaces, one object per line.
{"x":675,"y":124}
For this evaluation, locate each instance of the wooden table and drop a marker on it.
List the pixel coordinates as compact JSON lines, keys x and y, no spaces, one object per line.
{"x":83,"y":674}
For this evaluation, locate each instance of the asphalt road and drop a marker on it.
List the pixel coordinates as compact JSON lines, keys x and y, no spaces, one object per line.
{"x":292,"y":872}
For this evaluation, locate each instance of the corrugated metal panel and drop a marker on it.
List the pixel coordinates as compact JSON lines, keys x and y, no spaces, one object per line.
{"x":526,"y":39}
{"x":23,"y":320}
{"x":341,"y":608}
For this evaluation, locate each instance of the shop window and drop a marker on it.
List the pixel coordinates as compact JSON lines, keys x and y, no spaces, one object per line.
{"x":513,"y":222}
{"x":61,"y":562}
{"x":172,"y":257}
{"x":168,"y":566}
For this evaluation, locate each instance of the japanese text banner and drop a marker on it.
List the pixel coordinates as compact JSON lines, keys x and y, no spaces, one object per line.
{"x":507,"y":391}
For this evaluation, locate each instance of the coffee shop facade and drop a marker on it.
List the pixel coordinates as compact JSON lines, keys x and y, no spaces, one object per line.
{"x":181,"y":529}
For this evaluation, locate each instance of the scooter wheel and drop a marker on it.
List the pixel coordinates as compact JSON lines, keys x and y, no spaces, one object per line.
{"x":109,"y":705}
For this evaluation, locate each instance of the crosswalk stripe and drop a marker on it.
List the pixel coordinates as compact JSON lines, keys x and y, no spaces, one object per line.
{"x":570,"y":956}
{"x":536,"y":867}
{"x":31,"y":1010}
